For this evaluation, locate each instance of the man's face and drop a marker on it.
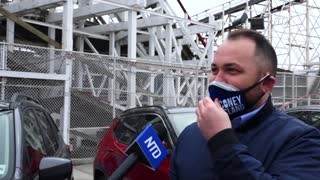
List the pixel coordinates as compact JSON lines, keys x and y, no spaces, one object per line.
{"x":235,"y":64}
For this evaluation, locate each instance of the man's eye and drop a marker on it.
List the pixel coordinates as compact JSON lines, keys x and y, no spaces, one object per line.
{"x":233,"y":70}
{"x":214,"y":70}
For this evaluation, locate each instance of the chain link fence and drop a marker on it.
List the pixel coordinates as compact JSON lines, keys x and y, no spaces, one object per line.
{"x":104,"y":86}
{"x":21,"y":70}
{"x":293,"y":90}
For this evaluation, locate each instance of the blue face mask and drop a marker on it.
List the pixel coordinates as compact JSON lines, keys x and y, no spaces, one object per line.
{"x":232,"y":100}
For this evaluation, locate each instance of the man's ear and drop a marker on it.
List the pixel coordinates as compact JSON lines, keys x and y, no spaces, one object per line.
{"x":268,"y":84}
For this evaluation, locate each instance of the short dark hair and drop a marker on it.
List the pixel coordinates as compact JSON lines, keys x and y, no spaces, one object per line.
{"x":263,"y":49}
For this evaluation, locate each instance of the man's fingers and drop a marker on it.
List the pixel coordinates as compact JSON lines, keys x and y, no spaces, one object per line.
{"x":198,"y":112}
{"x":207,"y":101}
{"x":217,"y":103}
{"x":202,"y":106}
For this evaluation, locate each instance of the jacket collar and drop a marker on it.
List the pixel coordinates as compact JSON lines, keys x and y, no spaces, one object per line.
{"x":259,"y":117}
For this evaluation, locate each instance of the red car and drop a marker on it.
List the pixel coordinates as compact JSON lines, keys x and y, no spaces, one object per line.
{"x":124,"y":130}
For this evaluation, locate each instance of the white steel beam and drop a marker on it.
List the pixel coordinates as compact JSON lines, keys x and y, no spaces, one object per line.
{"x":112,"y":44}
{"x":102,"y":85}
{"x":86,"y":12}
{"x":67,"y":26}
{"x":195,"y":29}
{"x":140,"y":9}
{"x":91,"y":45}
{"x":210,"y":43}
{"x":178,"y":49}
{"x":80,"y":47}
{"x":139,"y":52}
{"x":67,"y":44}
{"x":184,"y":28}
{"x":28,"y":6}
{"x":154,"y":39}
{"x":142,"y":49}
{"x":111,"y":81}
{"x":151,"y":87}
{"x":151,"y":43}
{"x":142,"y":23}
{"x":168,"y":86}
{"x":52,"y":35}
{"x":90,"y":79}
{"x":208,"y":48}
{"x":10,"y":31}
{"x":93,"y":10}
{"x":32,"y":75}
{"x":132,"y":54}
{"x":96,"y":36}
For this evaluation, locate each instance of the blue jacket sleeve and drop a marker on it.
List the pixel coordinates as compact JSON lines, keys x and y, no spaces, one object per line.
{"x":172,"y":168}
{"x":298,"y":159}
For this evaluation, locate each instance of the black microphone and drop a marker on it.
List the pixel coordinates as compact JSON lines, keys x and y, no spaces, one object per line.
{"x":137,"y":154}
{"x":160,"y":130}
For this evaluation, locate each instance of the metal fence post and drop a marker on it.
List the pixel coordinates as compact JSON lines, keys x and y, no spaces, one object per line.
{"x":4,"y":52}
{"x":67,"y":100}
{"x":113,"y":90}
{"x":67,"y":44}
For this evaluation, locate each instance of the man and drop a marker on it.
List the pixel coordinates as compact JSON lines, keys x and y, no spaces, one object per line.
{"x":239,"y":134}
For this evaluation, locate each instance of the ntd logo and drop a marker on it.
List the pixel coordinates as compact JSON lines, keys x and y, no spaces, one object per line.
{"x":153,"y":147}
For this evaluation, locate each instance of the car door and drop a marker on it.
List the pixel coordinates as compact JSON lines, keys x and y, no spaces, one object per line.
{"x":49,"y":133}
{"x":126,"y":131}
{"x":48,"y":138}
{"x":34,"y":146}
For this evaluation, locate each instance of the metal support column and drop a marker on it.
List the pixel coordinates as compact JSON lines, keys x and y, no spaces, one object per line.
{"x":168,"y":87}
{"x":79,"y":65}
{"x":152,"y":75}
{"x":290,"y":34}
{"x":10,"y":31}
{"x":132,"y":49}
{"x":10,"y":41}
{"x":52,"y":35}
{"x":67,"y":44}
{"x":112,"y":53}
{"x":307,"y":34}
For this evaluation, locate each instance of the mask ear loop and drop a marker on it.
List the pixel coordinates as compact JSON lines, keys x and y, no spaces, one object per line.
{"x":254,"y":85}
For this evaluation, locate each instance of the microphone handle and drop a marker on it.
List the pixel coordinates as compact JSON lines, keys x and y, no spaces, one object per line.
{"x":125,"y":167}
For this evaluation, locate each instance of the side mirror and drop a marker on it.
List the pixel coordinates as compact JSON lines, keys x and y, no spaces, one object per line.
{"x":52,"y":168}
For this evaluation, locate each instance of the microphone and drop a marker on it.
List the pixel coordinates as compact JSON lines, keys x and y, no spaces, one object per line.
{"x":160,"y":130}
{"x":146,"y":148}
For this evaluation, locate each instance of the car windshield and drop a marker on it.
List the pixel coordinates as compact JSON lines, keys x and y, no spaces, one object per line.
{"x":181,"y":120}
{"x":6,"y":144}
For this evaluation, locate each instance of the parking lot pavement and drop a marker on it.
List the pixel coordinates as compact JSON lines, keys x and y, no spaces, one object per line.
{"x":83,"y":172}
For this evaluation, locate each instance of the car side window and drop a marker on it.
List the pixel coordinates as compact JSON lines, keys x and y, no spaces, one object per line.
{"x":129,"y":127}
{"x":300,"y":115}
{"x":49,"y":135}
{"x":34,"y":146}
{"x":315,"y":119}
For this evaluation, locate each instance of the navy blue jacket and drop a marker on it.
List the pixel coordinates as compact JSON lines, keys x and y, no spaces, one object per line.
{"x":270,"y":145}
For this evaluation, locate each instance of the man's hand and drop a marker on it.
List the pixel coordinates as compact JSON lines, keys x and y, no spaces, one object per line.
{"x":211,"y":117}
